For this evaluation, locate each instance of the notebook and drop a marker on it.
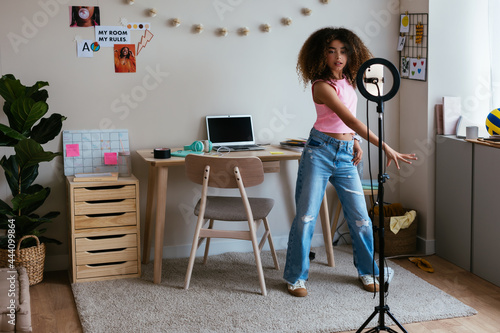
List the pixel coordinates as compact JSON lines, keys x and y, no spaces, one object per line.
{"x":232,"y":131}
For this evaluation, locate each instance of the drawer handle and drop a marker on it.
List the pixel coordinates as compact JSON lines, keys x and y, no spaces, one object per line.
{"x":105,"y":214}
{"x":105,"y":237}
{"x":106,"y":264}
{"x":104,"y":201}
{"x":111,"y":187}
{"x":110,"y":250}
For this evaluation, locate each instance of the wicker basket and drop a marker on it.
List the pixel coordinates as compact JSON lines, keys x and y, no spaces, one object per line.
{"x":32,"y":258}
{"x":402,"y":243}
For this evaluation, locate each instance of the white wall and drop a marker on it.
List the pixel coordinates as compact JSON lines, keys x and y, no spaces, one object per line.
{"x":195,"y":75}
{"x":458,"y":65}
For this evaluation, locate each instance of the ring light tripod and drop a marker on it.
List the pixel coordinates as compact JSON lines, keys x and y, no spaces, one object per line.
{"x":382,"y":308}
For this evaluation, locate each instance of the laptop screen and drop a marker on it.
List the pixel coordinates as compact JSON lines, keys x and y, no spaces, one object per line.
{"x":230,"y":130}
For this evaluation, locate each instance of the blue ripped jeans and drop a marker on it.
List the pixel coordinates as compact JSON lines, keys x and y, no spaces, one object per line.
{"x":327,"y":159}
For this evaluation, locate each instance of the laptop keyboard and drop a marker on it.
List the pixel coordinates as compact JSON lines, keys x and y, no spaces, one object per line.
{"x":243,"y":147}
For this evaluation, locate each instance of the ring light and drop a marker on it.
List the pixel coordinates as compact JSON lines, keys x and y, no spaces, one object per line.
{"x":382,"y":308}
{"x":361,"y":83}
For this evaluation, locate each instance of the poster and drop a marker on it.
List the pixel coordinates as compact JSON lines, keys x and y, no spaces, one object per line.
{"x":405,"y":67}
{"x":417,"y":68}
{"x":84,"y":48}
{"x":125,"y":58}
{"x":108,"y":36}
{"x":404,"y":24}
{"x":84,"y":16}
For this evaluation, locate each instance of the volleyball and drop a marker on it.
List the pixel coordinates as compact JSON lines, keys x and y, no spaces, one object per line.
{"x":493,"y":122}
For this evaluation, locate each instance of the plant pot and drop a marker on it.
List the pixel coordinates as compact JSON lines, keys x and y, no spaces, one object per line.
{"x":32,"y":258}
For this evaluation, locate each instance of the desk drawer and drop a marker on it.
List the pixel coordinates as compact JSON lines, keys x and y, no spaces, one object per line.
{"x":104,"y":192}
{"x":111,"y":269}
{"x":106,"y":256}
{"x":105,"y":206}
{"x":105,"y":220}
{"x":106,"y":242}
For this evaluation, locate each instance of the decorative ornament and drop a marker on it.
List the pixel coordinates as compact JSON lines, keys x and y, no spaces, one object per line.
{"x":131,"y":2}
{"x":286,"y":21}
{"x":95,"y":46}
{"x":198,"y":28}
{"x":222,"y":32}
{"x":175,"y":22}
{"x":325,"y":1}
{"x":144,"y":40}
{"x":265,"y":27}
{"x":244,"y":31}
{"x":152,"y":12}
{"x":306,"y":11}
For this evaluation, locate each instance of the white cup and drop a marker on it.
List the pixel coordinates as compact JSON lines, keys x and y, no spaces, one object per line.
{"x":471,"y":132}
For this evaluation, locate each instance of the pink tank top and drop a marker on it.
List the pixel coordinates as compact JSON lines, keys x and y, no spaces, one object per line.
{"x":327,"y":120}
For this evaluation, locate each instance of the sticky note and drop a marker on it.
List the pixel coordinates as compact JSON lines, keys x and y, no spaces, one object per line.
{"x":72,"y":150}
{"x":110,"y":159}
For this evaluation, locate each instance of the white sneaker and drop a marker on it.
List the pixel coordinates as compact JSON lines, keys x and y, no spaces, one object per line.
{"x":369,"y":283}
{"x":388,"y":275}
{"x":298,"y":289}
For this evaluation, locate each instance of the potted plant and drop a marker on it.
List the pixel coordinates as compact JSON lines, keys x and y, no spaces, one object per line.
{"x":25,"y":108}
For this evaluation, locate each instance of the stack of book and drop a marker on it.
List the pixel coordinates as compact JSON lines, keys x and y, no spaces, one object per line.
{"x":294,"y":144}
{"x":367,"y":186}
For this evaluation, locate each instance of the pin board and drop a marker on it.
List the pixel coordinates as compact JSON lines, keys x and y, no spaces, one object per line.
{"x":413,"y":46}
{"x":93,"y":151}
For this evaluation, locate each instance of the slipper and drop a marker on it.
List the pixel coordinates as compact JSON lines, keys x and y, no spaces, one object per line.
{"x":422,"y":264}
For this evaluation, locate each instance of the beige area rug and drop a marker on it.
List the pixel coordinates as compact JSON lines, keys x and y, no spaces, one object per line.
{"x":224,"y":296}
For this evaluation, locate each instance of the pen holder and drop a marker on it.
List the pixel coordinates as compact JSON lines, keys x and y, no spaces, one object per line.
{"x":124,"y":164}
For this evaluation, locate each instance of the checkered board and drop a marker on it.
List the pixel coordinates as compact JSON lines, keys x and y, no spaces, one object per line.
{"x":91,"y":151}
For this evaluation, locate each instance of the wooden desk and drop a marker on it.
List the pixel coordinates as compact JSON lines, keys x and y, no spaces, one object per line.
{"x":157,"y":191}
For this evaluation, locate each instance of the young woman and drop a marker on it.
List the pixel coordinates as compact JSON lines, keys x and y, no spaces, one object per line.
{"x":329,"y":60}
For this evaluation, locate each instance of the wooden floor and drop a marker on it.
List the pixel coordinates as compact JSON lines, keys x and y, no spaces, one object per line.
{"x":53,"y":307}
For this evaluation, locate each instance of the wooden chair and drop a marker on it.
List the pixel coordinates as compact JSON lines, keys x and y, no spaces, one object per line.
{"x":229,"y":173}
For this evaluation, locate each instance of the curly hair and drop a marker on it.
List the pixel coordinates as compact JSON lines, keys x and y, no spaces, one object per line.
{"x":311,"y":64}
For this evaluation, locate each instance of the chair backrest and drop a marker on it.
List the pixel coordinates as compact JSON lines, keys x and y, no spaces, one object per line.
{"x":222,"y":170}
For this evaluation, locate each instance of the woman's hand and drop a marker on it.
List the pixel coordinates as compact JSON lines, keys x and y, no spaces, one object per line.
{"x":393,"y":155}
{"x":357,"y":153}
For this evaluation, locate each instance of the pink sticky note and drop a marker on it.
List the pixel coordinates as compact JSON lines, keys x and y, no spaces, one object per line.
{"x":72,"y":150}
{"x":110,"y":159}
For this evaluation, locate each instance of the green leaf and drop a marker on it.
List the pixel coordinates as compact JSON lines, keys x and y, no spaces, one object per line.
{"x":48,"y":128}
{"x":29,"y":153}
{"x":6,"y":141}
{"x":25,"y":112}
{"x":35,"y":92}
{"x":29,"y":202}
{"x":5,"y":208}
{"x":18,"y":183}
{"x":9,"y":135}
{"x":11,"y":88}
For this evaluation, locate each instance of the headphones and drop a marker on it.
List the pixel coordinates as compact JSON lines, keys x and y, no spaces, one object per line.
{"x":201,"y":145}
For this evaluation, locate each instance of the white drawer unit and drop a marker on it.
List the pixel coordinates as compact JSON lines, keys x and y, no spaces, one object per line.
{"x":104,"y":234}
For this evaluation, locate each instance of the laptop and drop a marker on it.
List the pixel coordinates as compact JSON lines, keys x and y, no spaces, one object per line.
{"x":232,"y":131}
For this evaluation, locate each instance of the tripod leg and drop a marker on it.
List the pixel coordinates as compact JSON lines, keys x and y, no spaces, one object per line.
{"x":368,"y":320}
{"x":396,"y":322}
